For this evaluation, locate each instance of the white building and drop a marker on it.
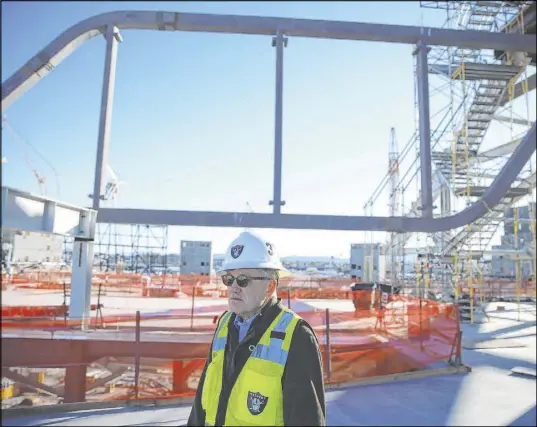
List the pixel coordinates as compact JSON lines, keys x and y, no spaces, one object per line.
{"x":196,"y":257}
{"x":32,"y":248}
{"x":368,"y":262}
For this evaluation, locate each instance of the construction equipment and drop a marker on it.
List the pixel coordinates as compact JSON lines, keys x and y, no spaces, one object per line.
{"x":16,"y":137}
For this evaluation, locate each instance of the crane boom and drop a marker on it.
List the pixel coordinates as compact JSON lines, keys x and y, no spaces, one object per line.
{"x":40,"y":178}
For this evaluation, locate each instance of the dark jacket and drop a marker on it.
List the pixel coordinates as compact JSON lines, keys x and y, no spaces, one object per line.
{"x":302,"y":381}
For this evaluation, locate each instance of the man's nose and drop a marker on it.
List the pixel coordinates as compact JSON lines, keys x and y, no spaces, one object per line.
{"x":234,"y":286}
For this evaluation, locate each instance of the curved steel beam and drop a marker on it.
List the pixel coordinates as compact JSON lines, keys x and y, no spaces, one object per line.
{"x":490,"y":199}
{"x":45,"y":61}
{"x":67,"y":42}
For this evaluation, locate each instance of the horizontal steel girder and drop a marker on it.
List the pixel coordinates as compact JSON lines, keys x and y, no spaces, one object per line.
{"x":25,"y":211}
{"x":35,"y":352}
{"x":491,"y":198}
{"x":45,"y":61}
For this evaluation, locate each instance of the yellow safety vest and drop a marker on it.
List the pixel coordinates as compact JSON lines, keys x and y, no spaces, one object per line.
{"x":257,"y":397}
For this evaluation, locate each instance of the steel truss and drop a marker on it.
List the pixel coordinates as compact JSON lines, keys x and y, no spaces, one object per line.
{"x":109,"y":25}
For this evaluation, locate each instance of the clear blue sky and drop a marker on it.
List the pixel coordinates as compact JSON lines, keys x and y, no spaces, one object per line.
{"x":193,"y":114}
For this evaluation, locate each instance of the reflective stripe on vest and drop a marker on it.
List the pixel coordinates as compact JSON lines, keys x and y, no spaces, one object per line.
{"x":274,"y":351}
{"x":256,"y":398}
{"x":220,"y":337}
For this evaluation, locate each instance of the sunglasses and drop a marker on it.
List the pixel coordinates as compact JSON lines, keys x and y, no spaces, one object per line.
{"x":242,"y":280}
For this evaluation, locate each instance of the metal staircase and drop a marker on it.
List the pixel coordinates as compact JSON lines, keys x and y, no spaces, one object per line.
{"x":486,"y":83}
{"x":491,"y":81}
{"x":478,"y":236}
{"x":465,"y":310}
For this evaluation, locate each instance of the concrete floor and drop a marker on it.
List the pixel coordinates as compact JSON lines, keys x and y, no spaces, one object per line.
{"x":490,"y":395}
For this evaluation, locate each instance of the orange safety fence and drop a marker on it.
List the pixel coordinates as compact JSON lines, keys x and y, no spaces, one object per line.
{"x":169,"y":285}
{"x":182,"y":286}
{"x":161,"y":355}
{"x":24,"y":312}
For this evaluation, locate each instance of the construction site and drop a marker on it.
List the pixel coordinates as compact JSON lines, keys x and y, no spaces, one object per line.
{"x":102,"y":325}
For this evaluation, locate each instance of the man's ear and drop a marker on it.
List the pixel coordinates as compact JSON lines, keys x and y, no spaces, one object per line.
{"x":272,"y":287}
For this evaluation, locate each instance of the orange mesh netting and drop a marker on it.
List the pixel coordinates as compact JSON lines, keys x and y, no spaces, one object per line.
{"x":161,"y":354}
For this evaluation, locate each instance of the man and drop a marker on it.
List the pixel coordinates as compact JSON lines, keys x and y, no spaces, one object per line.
{"x":264,"y":366}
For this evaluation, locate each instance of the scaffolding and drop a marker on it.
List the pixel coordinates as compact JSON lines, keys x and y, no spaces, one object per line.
{"x":479,"y":87}
{"x":134,"y":248}
{"x":487,"y":83}
{"x":393,"y":247}
{"x":483,"y":83}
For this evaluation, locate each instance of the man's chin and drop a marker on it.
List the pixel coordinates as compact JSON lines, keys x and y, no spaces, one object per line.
{"x":235,"y":305}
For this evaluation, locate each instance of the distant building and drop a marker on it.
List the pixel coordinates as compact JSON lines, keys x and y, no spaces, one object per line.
{"x":218,"y":260}
{"x":368,"y":262}
{"x":196,"y":257}
{"x":31,"y":248}
{"x":503,"y":256}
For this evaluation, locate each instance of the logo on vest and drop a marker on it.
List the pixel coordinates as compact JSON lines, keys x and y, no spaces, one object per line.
{"x":236,"y":251}
{"x":256,"y":402}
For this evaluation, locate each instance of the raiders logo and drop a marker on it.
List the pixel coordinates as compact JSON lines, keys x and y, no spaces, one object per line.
{"x":256,"y":402}
{"x":236,"y":251}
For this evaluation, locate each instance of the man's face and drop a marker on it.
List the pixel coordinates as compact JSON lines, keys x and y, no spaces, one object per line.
{"x":244,"y":301}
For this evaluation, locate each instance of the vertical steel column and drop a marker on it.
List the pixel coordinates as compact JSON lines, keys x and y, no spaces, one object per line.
{"x":80,"y":300}
{"x":75,"y":384}
{"x":422,"y":75}
{"x":193,"y":305}
{"x":445,"y":210}
{"x":137,"y":357}
{"x":279,"y":42}
{"x":445,"y":201}
{"x":327,"y":352}
{"x":107,"y":97}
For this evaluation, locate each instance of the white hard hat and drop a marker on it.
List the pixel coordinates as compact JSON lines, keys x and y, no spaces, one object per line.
{"x":250,"y":250}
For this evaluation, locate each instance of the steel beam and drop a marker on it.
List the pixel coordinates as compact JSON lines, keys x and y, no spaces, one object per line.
{"x":26,"y":380}
{"x":80,"y":300}
{"x":82,"y":349}
{"x":426,"y":176}
{"x":29,"y":212}
{"x":491,"y":198}
{"x":45,"y":61}
{"x":279,"y":42}
{"x":75,"y":384}
{"x":105,"y":122}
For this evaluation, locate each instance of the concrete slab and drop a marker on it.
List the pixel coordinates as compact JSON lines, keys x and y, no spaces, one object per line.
{"x":451,"y":400}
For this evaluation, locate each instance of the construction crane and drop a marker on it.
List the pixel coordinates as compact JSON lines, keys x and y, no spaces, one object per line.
{"x":40,"y":178}
{"x":394,"y":242}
